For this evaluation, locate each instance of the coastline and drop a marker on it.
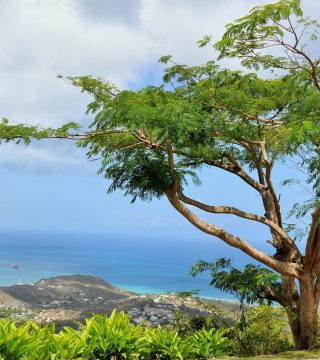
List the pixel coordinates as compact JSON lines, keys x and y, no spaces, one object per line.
{"x":141,"y":265}
{"x":139,"y":290}
{"x":75,"y":297}
{"x":144,"y":290}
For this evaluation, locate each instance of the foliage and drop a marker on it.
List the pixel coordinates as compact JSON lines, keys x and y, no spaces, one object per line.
{"x":251,"y":285}
{"x":114,"y":336}
{"x":282,"y":26}
{"x":102,"y":337}
{"x":187,"y":324}
{"x":210,"y":113}
{"x":25,"y":133}
{"x":264,"y":330}
{"x":208,"y":343}
{"x":137,"y":125}
{"x":105,"y":337}
{"x":164,"y":344}
{"x":28,"y":341}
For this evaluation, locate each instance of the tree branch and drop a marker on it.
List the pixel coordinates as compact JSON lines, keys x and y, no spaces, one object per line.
{"x":239,"y":171}
{"x":243,"y":214}
{"x":285,"y":268}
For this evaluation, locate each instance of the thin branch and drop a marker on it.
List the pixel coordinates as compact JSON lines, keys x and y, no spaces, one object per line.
{"x":285,"y":268}
{"x":239,"y":171}
{"x":243,"y":214}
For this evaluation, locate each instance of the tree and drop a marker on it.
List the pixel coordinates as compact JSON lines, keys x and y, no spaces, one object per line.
{"x":18,"y":133}
{"x":154,"y":140}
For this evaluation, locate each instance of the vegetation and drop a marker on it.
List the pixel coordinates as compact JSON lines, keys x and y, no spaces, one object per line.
{"x":262,"y":330}
{"x":153,"y":141}
{"x":253,"y":331}
{"x":108,"y":338}
{"x":25,"y":133}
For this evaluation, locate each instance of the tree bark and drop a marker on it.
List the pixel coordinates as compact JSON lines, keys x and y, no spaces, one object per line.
{"x":308,"y":315}
{"x":303,"y":316}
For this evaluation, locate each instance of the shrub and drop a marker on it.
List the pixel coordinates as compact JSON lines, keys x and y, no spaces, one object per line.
{"x":164,"y":344}
{"x":187,"y":324}
{"x":206,"y":343}
{"x":103,"y":337}
{"x":29,"y":341}
{"x":264,"y":330}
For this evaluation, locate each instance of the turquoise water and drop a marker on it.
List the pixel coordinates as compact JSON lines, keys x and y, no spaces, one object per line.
{"x":141,"y":264}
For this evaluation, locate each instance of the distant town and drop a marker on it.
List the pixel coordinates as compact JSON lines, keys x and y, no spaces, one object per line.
{"x":66,"y":299}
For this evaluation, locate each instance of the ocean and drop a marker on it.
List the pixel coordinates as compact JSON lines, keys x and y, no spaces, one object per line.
{"x":143,"y":264}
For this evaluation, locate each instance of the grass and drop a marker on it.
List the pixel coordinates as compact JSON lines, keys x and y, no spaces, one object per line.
{"x":293,"y":355}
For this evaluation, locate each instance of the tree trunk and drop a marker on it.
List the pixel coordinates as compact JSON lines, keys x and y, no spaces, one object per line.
{"x":303,"y":317}
{"x":308,"y":315}
{"x":295,"y":326}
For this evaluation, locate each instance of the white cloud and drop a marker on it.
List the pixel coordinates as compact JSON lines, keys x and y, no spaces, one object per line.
{"x":120,"y":41}
{"x":126,"y":11}
{"x":44,"y":158}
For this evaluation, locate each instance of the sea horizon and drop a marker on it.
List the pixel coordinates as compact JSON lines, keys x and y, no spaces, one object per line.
{"x":141,"y":264}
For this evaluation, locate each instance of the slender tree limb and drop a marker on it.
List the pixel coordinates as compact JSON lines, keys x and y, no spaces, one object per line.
{"x":266,"y":121}
{"x":238,"y":171}
{"x":245,"y":215}
{"x":285,"y":268}
{"x":275,"y":213}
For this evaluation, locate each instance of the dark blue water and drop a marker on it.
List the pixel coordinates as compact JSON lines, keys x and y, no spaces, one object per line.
{"x":146,"y":264}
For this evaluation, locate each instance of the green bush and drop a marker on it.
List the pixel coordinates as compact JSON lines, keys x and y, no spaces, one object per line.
{"x":206,"y":343}
{"x":103,"y":337}
{"x":164,"y":344}
{"x":263,"y":330}
{"x":187,"y":324}
{"x":28,"y":341}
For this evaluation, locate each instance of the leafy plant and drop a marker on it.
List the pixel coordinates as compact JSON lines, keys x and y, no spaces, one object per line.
{"x":207,"y":343}
{"x":252,"y":284}
{"x":28,"y":341}
{"x":102,"y":337}
{"x":164,"y":344}
{"x":186,"y":324}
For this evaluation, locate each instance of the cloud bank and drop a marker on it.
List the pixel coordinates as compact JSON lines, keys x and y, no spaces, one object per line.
{"x":119,"y":40}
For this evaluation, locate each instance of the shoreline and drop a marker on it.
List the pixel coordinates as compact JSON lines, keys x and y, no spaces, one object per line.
{"x":76,"y":297}
{"x":139,"y":290}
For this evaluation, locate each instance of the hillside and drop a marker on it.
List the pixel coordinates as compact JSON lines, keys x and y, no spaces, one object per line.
{"x":66,"y":298}
{"x":67,"y":291}
{"x":6,"y":300}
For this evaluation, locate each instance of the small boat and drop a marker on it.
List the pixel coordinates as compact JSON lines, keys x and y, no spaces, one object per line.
{"x":14,"y":266}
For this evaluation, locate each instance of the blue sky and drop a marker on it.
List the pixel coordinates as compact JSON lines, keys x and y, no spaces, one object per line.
{"x":50,"y":185}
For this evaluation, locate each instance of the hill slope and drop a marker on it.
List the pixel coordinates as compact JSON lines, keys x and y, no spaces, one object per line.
{"x":72,"y":290}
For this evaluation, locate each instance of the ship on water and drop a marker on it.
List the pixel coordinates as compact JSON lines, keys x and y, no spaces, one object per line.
{"x":14,"y":266}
